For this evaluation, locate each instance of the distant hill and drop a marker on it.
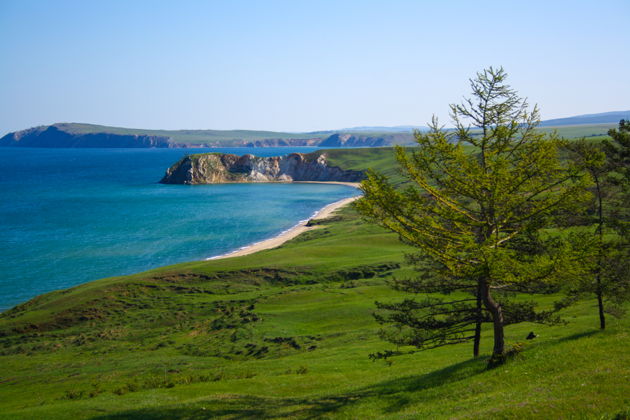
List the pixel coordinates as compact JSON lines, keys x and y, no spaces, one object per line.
{"x":396,"y":129}
{"x":90,"y":135}
{"x":602,"y":118}
{"x":48,"y":136}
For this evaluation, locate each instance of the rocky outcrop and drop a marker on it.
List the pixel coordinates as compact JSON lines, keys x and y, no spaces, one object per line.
{"x":284,"y":142}
{"x":52,"y":136}
{"x":218,"y":168}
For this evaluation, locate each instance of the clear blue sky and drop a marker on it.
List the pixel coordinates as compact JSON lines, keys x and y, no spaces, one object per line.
{"x":300,"y":65}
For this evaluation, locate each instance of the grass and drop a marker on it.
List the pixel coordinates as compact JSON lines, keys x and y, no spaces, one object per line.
{"x":583,"y":130}
{"x":189,"y":136}
{"x":379,"y":159}
{"x":287,"y":333}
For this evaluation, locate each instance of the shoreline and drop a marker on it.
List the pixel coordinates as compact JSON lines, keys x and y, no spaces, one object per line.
{"x":296,"y":230}
{"x":349,"y":184}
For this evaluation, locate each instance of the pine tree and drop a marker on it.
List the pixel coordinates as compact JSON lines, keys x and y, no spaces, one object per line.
{"x":590,"y":157}
{"x":608,"y":263}
{"x":618,"y":155}
{"x":475,"y":203}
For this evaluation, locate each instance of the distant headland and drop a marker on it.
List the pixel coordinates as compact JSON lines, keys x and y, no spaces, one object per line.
{"x":73,"y":135}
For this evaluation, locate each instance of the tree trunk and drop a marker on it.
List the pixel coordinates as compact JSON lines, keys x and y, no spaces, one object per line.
{"x":600,"y":256}
{"x":497,"y":320}
{"x":600,"y":303}
{"x":478,"y":314}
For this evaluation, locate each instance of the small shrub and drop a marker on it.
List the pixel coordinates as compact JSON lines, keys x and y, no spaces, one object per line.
{"x":133,"y":387}
{"x":73,"y":395}
{"x":96,"y":389}
{"x":120,"y":391}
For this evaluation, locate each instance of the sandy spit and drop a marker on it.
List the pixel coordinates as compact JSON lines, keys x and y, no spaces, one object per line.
{"x":298,"y":229}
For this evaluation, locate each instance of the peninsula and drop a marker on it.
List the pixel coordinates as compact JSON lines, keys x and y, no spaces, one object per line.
{"x":218,"y":168}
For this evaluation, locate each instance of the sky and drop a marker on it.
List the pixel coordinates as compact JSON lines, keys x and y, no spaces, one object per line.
{"x":300,"y":65}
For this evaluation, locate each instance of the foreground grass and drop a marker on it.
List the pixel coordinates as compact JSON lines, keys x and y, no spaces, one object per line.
{"x":287,"y":333}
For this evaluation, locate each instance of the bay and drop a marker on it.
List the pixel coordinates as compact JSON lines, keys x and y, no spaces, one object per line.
{"x":68,"y":216}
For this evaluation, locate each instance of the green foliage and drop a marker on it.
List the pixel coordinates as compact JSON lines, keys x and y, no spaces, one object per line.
{"x":606,"y":248}
{"x":475,"y":201}
{"x":618,"y":154}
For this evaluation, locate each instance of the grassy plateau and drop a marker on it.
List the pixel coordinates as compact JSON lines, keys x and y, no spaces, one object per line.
{"x":287,"y":333}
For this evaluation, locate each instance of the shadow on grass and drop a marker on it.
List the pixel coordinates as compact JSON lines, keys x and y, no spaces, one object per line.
{"x":577,"y":336}
{"x":392,"y":392}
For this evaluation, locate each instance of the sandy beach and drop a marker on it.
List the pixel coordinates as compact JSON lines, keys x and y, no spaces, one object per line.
{"x":350,"y":184}
{"x":296,"y":230}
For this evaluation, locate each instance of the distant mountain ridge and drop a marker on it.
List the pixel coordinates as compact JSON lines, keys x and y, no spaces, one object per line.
{"x":395,"y":129}
{"x":612,"y":117}
{"x":89,"y":135}
{"x":71,"y":135}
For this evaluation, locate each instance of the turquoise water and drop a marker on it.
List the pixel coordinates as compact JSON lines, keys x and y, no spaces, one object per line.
{"x":68,"y":216}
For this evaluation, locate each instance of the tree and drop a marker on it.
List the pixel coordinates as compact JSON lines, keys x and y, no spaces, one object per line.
{"x":618,"y":154}
{"x":455,"y":317}
{"x":608,"y":265}
{"x":590,"y":157}
{"x":433,"y":321}
{"x":478,"y":197}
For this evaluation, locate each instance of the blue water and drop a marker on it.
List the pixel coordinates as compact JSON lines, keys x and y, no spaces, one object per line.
{"x":68,"y":216}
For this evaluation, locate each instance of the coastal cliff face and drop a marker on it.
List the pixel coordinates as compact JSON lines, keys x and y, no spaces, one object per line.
{"x":350,"y":140}
{"x":216,"y":168}
{"x":284,"y":142}
{"x":359,"y":140}
{"x":53,"y":136}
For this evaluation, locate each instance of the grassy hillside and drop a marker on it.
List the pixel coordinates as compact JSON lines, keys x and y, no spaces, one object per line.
{"x":227,"y":136}
{"x":379,"y":159}
{"x":575,"y":131}
{"x":188,"y":136}
{"x":286,"y":333}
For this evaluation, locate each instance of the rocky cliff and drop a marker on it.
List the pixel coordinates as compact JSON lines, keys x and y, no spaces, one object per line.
{"x":361,"y":140}
{"x":53,"y":136}
{"x":217,"y":168}
{"x":315,"y":141}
